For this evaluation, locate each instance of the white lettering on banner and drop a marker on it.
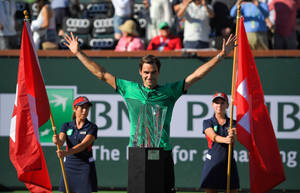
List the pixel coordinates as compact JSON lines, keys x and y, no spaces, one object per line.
{"x":138,"y":7}
{"x":181,"y":155}
{"x":105,"y":154}
{"x":103,"y":23}
{"x":106,"y":110}
{"x":96,"y":7}
{"x":80,"y":23}
{"x":142,"y":22}
{"x":35,"y":7}
{"x":188,"y":115}
{"x":61,"y":42}
{"x":102,"y":43}
{"x":289,"y":158}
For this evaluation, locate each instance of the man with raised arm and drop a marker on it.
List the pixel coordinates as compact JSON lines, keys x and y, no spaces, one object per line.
{"x":150,"y":92}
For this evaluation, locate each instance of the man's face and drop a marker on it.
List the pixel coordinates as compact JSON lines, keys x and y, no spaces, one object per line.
{"x":149,"y":74}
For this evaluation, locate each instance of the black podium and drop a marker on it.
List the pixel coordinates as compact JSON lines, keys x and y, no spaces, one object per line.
{"x":146,"y":170}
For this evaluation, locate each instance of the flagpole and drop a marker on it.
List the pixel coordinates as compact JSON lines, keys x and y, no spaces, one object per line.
{"x":60,"y":159}
{"x":26,"y":14}
{"x":233,"y":94}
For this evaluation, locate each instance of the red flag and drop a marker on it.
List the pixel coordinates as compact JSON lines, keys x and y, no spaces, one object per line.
{"x":254,"y":127}
{"x":31,"y":111}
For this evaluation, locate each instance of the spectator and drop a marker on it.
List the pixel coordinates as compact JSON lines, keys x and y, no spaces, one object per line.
{"x":74,"y":9}
{"x":222,"y":23}
{"x":178,"y":23}
{"x":61,"y":11}
{"x":8,"y":39}
{"x":165,"y":41}
{"x":255,"y":14}
{"x":129,"y":40}
{"x":123,"y":12}
{"x":158,"y":11}
{"x":196,"y":26}
{"x":285,"y":32}
{"x":43,"y":28}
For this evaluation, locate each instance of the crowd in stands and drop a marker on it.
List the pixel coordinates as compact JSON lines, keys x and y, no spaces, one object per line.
{"x":130,"y":25}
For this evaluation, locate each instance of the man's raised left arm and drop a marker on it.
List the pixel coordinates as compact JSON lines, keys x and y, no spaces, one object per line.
{"x":201,"y":71}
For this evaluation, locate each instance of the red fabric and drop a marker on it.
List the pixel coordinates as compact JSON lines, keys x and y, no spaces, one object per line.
{"x":31,"y":110}
{"x":209,"y":142}
{"x":173,"y":44}
{"x":255,"y":131}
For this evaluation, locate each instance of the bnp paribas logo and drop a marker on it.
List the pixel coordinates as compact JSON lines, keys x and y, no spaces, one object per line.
{"x":60,"y":100}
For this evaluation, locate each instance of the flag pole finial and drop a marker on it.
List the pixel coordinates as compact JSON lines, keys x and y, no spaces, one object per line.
{"x":26,"y":14}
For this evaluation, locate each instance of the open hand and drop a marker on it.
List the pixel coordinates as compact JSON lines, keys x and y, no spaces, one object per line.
{"x":229,"y":44}
{"x":72,"y":43}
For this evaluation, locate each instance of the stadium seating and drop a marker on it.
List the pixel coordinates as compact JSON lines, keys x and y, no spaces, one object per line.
{"x":95,"y":27}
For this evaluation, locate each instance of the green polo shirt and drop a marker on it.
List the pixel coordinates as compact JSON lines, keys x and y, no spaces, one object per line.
{"x":148,"y":108}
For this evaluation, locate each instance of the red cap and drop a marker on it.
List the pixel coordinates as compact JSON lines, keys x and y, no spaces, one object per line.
{"x":81,"y":100}
{"x":220,"y":95}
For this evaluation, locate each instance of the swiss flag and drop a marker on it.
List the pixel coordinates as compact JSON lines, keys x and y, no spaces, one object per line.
{"x":31,"y":111}
{"x":254,"y":127}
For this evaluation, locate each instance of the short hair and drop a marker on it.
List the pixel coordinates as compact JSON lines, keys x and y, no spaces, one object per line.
{"x":149,"y":59}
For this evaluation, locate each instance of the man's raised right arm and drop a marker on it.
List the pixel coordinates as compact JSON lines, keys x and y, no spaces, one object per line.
{"x":93,"y":67}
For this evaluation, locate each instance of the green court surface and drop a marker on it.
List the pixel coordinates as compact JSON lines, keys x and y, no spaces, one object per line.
{"x":97,"y":192}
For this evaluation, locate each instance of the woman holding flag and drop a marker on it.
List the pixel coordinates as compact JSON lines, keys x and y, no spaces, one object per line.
{"x":79,"y":135}
{"x":218,"y":137}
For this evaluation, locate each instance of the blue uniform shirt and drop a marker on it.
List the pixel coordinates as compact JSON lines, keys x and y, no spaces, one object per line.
{"x":75,"y":136}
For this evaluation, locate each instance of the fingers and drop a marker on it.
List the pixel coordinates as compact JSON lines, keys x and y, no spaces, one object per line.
{"x":66,"y":44}
{"x":68,"y":38}
{"x":231,"y":39}
{"x":230,"y":139}
{"x":224,"y":44}
{"x":72,"y":35}
{"x":60,"y":153}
